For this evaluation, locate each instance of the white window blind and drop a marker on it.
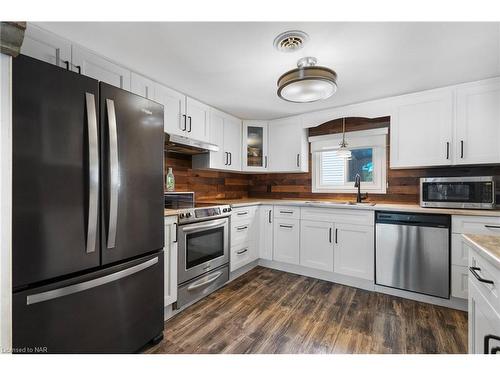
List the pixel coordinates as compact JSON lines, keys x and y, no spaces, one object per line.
{"x":332,"y":168}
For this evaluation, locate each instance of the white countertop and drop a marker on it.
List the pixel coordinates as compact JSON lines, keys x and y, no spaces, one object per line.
{"x":487,"y":245}
{"x":403,"y":207}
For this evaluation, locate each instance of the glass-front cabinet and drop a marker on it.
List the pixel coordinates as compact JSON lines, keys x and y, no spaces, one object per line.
{"x":255,"y":146}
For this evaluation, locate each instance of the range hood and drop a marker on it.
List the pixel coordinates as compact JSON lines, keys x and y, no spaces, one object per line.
{"x":184,"y":145}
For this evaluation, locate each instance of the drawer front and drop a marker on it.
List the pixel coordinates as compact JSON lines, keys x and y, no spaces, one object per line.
{"x":488,"y":272}
{"x":241,"y":255}
{"x":459,"y":250}
{"x":287,"y":212}
{"x":241,"y":231}
{"x":459,"y":281}
{"x":243,"y":213}
{"x":475,"y":225}
{"x":342,"y":215}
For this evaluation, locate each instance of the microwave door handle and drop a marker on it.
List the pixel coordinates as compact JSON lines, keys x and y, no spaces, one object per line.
{"x":113,"y":174}
{"x":93,"y":172}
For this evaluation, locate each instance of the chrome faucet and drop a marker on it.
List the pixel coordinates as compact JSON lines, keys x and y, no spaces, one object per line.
{"x":357,"y":184}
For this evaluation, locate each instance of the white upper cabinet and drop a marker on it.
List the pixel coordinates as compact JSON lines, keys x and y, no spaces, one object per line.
{"x":216,"y":159}
{"x":288,"y":146}
{"x":316,"y":245}
{"x":255,"y":146}
{"x":477,"y":138}
{"x":232,"y":143}
{"x":421,"y":130}
{"x":97,"y":67}
{"x":45,"y":46}
{"x":174,"y":103}
{"x":225,"y":132}
{"x":196,"y":120}
{"x":142,"y":86}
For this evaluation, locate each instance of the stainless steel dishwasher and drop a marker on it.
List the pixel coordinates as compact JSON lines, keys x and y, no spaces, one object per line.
{"x":412,"y":252}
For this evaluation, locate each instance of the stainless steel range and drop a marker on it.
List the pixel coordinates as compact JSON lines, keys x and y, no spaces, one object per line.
{"x":203,"y":249}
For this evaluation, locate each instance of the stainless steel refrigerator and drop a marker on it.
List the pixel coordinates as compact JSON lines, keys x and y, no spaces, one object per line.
{"x":87,"y":214}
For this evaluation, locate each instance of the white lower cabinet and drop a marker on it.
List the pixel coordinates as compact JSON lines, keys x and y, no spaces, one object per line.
{"x":353,"y":250}
{"x":286,"y":241}
{"x":244,"y":237}
{"x":170,"y":255}
{"x":484,"y":324}
{"x":459,"y":281}
{"x":265,"y":235}
{"x":242,"y":254}
{"x":316,"y":245}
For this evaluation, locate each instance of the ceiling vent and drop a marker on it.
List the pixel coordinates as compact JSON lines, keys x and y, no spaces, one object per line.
{"x":290,"y":41}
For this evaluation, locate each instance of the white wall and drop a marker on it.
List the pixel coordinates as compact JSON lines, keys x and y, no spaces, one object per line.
{"x":5,"y":204}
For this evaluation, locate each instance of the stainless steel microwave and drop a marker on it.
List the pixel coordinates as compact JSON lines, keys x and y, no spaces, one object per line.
{"x":460,"y":192}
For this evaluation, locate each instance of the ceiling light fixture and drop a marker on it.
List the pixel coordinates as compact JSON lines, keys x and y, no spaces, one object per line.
{"x":343,"y":151}
{"x":307,"y":83}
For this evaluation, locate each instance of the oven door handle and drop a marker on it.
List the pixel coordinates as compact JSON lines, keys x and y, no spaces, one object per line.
{"x":202,"y":282}
{"x":193,"y":228}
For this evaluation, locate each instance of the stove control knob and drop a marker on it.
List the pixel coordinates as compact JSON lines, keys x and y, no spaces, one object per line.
{"x":188,"y":214}
{"x":229,"y":209}
{"x":224,"y":210}
{"x":181,"y":216}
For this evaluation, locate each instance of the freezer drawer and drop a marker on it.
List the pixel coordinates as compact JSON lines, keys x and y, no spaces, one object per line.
{"x":117,"y":310}
{"x":414,"y":258}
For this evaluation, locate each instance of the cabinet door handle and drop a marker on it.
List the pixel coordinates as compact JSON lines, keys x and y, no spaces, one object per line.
{"x":286,"y":212}
{"x":241,"y":251}
{"x":190,"y":124}
{"x":230,"y":158}
{"x":176,"y":235}
{"x":461,"y":149}
{"x":447,"y":150}
{"x":286,"y":226}
{"x":487,"y":339}
{"x":242,"y":213}
{"x":242,"y":227}
{"x":265,"y":161}
{"x":330,"y":235}
{"x":492,"y":226}
{"x":298,"y":160}
{"x":270,"y":217}
{"x":79,"y":69}
{"x":336,"y":235}
{"x":226,"y":157}
{"x":474,"y":272}
{"x":185,"y":123}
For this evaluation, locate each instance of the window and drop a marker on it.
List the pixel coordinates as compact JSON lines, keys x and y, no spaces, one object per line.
{"x":334,"y":174}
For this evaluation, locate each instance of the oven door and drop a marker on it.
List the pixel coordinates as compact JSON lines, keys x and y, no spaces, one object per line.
{"x":203,"y":246}
{"x":458,"y":193}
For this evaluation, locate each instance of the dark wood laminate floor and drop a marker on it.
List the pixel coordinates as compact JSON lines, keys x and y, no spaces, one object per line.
{"x":268,"y":311}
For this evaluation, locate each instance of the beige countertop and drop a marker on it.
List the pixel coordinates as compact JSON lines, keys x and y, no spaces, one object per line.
{"x":488,"y":246}
{"x":379,"y":206}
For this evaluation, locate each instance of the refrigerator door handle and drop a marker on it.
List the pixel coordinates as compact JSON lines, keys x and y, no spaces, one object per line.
{"x":93,"y":172}
{"x":76,"y":288}
{"x":113,"y":174}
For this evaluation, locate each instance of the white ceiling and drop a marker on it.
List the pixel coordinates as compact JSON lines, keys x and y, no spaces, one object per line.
{"x":234,"y":67}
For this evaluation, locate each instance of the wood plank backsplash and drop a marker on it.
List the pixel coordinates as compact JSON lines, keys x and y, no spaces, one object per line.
{"x":206,"y":184}
{"x":403,"y":183}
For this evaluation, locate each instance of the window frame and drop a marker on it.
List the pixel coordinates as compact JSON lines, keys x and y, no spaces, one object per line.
{"x":376,"y":139}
